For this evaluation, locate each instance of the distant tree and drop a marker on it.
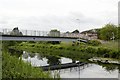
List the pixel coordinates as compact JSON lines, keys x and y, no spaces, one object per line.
{"x":67,"y":32}
{"x":108,"y":32}
{"x":1,"y":33}
{"x":15,"y":31}
{"x":54,"y":33}
{"x":98,"y":33}
{"x":118,"y":32}
{"x":75,"y":31}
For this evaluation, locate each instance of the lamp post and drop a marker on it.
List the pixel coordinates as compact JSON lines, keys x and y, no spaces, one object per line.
{"x":79,"y":32}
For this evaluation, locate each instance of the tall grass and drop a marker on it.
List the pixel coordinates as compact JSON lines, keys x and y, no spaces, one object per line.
{"x":78,"y":52}
{"x":111,"y":45}
{"x":12,"y":67}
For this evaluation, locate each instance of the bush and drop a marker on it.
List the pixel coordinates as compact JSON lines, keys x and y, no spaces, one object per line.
{"x":12,"y":67}
{"x":31,"y":42}
{"x":32,"y":45}
{"x":103,"y":51}
{"x":114,"y":54}
{"x":54,"y":42}
{"x":90,"y":50}
{"x":60,"y":47}
{"x":94,"y":42}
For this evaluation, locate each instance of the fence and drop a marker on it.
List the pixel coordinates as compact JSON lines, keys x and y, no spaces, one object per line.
{"x":41,"y":33}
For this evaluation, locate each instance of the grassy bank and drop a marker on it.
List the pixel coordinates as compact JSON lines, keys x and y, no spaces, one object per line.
{"x":110,"y":45}
{"x":16,"y":68}
{"x":76,"y":52}
{"x":12,"y":67}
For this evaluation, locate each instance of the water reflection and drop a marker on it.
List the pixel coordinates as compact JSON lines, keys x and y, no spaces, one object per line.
{"x":36,"y":59}
{"x":109,"y":67}
{"x":53,"y":60}
{"x":94,"y":71}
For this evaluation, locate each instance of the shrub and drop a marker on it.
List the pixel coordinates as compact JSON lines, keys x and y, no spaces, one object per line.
{"x":114,"y":54}
{"x":31,"y":41}
{"x":51,"y":47}
{"x":12,"y":67}
{"x":73,"y":49}
{"x":90,"y":50}
{"x":94,"y":42}
{"x":103,"y":51}
{"x":54,"y":42}
{"x":60,"y":47}
{"x":32,"y":45}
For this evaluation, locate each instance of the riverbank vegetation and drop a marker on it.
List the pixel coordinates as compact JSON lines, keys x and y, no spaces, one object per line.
{"x":81,"y":51}
{"x":14,"y":67}
{"x":109,"y":32}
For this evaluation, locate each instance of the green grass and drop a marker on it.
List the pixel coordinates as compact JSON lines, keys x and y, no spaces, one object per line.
{"x":111,"y":45}
{"x":76,"y":52}
{"x":14,"y":67}
{"x":0,"y":64}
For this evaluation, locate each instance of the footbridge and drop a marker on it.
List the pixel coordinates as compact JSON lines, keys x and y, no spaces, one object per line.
{"x":33,"y":35}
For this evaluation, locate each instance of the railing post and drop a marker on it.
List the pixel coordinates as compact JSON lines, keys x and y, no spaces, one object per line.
{"x":34,"y":33}
{"x":3,"y":31}
{"x":39,"y":33}
{"x":43,"y":33}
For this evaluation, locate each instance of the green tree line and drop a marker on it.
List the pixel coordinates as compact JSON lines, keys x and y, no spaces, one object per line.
{"x":109,"y":32}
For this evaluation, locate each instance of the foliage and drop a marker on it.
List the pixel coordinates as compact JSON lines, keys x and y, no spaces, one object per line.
{"x":54,"y":42}
{"x":109,"y":67}
{"x":75,"y":31}
{"x":118,"y":34}
{"x":54,"y":33}
{"x":110,"y":45}
{"x":77,"y":52}
{"x":108,"y":32}
{"x":91,"y":50}
{"x":16,"y":68}
{"x":16,"y":31}
{"x":6,"y":44}
{"x":67,"y":50}
{"x":94,"y":42}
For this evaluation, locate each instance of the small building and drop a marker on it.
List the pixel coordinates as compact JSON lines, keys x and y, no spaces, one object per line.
{"x":90,"y":34}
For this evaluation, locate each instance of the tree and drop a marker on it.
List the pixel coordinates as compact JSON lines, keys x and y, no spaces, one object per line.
{"x":118,"y":32}
{"x":108,"y":32}
{"x":75,"y":31}
{"x":16,"y":31}
{"x":54,"y":33}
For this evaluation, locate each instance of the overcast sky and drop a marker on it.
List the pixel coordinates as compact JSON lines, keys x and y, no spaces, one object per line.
{"x":64,"y":15}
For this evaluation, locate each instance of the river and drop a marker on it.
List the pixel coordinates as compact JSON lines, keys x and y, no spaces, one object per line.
{"x":91,"y":70}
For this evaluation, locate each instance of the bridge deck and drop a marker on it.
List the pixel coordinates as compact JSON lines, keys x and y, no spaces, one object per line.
{"x":37,"y":38}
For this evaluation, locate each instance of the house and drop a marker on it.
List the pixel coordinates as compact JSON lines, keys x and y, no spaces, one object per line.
{"x":89,"y":34}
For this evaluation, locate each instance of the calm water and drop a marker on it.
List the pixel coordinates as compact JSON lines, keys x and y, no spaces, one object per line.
{"x":88,"y":71}
{"x":93,"y":71}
